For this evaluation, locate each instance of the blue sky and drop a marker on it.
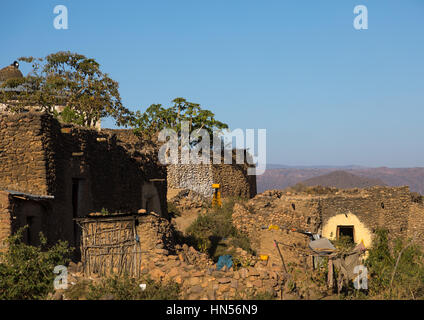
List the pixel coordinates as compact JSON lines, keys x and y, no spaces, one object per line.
{"x":326,"y":93}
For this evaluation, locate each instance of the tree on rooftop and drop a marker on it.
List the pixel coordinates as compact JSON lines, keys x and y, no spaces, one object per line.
{"x":70,"y":80}
{"x":157,"y":117}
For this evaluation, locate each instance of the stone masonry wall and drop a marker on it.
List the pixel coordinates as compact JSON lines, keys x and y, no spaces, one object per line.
{"x":5,"y":219}
{"x":383,"y":207}
{"x":22,"y":155}
{"x":416,"y":223}
{"x":85,"y":170}
{"x":232,"y":178}
{"x":164,"y":261}
{"x":375,"y":207}
{"x":109,"y":174}
{"x":275,"y":208}
{"x":198,"y":178}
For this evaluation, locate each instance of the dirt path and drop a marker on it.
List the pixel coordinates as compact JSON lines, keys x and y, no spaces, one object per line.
{"x":185,"y":220}
{"x":267,"y":247}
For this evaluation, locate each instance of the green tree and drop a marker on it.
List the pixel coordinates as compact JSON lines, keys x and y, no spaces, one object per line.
{"x":157,"y":117}
{"x":70,"y":80}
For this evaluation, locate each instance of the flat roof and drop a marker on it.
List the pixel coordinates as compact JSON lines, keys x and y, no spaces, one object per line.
{"x":29,"y":196}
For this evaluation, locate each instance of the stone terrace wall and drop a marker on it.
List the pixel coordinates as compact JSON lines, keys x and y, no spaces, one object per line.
{"x":22,"y":155}
{"x":276,"y":208}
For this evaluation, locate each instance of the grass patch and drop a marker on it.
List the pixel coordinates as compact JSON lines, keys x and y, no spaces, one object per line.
{"x":124,"y":288}
{"x":251,"y":294}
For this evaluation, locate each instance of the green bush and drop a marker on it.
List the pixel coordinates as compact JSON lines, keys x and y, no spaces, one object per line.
{"x":213,"y":232}
{"x":395,"y":273}
{"x":173,"y":210}
{"x":26,"y":272}
{"x":252,"y":294}
{"x":344,"y":244}
{"x":126,"y":288}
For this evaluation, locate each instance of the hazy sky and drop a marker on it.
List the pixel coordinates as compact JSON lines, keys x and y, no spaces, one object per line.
{"x":325,"y":92}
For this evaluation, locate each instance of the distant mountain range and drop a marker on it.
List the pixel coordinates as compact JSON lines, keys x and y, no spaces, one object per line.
{"x":342,"y":177}
{"x":343,"y":180}
{"x":283,"y":166}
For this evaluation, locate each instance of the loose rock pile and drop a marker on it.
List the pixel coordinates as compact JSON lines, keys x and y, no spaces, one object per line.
{"x":186,"y":199}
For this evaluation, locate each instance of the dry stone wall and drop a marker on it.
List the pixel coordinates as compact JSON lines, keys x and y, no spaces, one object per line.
{"x":5,"y":219}
{"x":233,"y":179}
{"x":416,"y":223}
{"x":163,"y":260}
{"x":376,"y":207}
{"x":22,"y":154}
{"x":198,"y":178}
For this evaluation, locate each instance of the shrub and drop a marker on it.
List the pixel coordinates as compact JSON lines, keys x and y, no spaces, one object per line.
{"x":302,"y":188}
{"x":396,"y":273}
{"x":173,"y":210}
{"x":344,"y":244}
{"x":126,"y":288}
{"x":213,"y":231}
{"x":241,"y":262}
{"x":26,"y":272}
{"x":416,"y":197}
{"x":252,"y":294}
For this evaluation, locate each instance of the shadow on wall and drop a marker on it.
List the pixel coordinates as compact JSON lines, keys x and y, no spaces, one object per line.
{"x":32,"y":214}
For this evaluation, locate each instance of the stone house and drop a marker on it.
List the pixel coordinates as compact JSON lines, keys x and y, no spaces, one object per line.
{"x":356,"y":213}
{"x":52,"y":173}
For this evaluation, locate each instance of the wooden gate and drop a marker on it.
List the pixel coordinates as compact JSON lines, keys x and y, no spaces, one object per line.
{"x":110,"y":245}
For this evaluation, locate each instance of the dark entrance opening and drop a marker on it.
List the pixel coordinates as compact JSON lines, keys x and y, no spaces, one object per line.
{"x":345,"y":231}
{"x":29,"y":231}
{"x":76,"y":197}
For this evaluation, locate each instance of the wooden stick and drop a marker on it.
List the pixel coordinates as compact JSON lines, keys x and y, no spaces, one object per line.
{"x":281,"y":256}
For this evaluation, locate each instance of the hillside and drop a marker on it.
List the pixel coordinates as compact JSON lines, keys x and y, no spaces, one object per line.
{"x":343,"y":180}
{"x":283,"y":178}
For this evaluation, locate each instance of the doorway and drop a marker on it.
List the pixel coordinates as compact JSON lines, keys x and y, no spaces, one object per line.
{"x":76,"y":208}
{"x":346,"y":231}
